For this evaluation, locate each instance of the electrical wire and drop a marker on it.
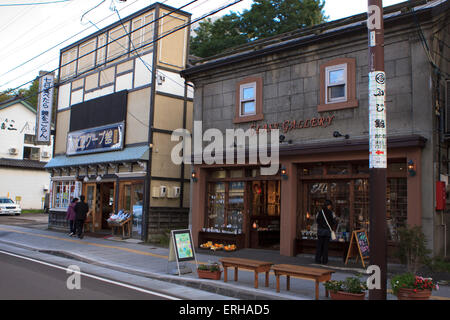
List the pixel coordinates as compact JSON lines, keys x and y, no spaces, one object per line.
{"x":31,"y":4}
{"x":215,"y":11}
{"x":106,"y":44}
{"x":58,"y":44}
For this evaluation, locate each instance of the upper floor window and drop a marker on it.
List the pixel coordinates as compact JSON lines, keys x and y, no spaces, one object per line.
{"x":338,"y":85}
{"x":30,"y":153}
{"x":28,"y":138}
{"x":249,"y":100}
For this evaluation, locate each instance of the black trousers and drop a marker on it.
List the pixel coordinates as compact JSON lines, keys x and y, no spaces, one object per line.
{"x":322,"y":250}
{"x":79,"y":227}
{"x":72,"y":226}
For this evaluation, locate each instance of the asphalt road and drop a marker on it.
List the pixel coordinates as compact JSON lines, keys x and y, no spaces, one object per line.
{"x":25,"y":279}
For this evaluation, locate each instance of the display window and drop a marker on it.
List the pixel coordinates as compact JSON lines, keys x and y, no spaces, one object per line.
{"x":64,"y":192}
{"x":350,"y":197}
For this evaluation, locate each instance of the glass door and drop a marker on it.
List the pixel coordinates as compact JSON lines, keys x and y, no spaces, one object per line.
{"x":91,"y":200}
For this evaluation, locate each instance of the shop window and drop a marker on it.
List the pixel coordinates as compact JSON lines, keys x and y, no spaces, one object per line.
{"x":225,"y":207}
{"x":338,"y":85}
{"x":312,"y":171}
{"x":249,"y":100}
{"x":338,"y":169}
{"x":353,"y":215}
{"x":64,"y":192}
{"x":219,"y":174}
{"x":30,"y":153}
{"x":236,"y":173}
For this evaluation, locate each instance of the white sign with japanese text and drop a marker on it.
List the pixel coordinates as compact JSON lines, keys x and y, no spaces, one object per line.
{"x":44,"y":108}
{"x":377,"y":119}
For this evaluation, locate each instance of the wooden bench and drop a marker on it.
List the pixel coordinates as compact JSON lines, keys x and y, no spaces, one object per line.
{"x":254,"y":265}
{"x":316,"y":274}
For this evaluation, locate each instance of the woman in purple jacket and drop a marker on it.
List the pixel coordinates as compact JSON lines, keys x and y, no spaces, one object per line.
{"x":71,"y":216}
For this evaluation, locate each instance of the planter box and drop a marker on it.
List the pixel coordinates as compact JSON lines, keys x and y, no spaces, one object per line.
{"x":341,"y":295}
{"x":213,"y":275}
{"x":409,"y":294}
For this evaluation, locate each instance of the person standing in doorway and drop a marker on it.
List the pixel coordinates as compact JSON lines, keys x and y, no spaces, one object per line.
{"x":71,"y":216}
{"x":325,"y":222}
{"x":81,"y":212}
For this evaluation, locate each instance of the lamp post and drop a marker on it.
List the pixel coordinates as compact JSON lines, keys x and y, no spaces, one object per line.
{"x":377,"y":145}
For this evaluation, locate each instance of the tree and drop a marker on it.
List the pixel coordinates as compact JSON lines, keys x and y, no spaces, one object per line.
{"x":265,"y":18}
{"x":214,"y":37}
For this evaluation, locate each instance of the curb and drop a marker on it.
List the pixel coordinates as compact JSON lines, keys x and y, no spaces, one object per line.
{"x":219,"y":288}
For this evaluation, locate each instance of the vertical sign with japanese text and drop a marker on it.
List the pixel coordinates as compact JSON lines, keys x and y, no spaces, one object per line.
{"x":377,"y":119}
{"x":44,"y":107}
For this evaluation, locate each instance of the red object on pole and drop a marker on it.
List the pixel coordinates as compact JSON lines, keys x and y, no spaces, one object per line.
{"x":440,"y":195}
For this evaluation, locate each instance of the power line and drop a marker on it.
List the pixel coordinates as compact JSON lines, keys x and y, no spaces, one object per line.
{"x":31,"y":4}
{"x":140,"y":47}
{"x":58,"y":44}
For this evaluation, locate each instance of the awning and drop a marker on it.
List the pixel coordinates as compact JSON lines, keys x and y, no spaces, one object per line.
{"x":128,"y":154}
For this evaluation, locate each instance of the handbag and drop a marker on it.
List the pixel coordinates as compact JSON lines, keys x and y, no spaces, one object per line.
{"x":333,"y":234}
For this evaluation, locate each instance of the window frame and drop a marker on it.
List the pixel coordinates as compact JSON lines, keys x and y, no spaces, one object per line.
{"x":257,"y":83}
{"x":242,"y":100}
{"x":350,"y":100}
{"x":329,"y":100}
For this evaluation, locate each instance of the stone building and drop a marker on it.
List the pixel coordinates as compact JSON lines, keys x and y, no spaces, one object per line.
{"x":312,"y":84}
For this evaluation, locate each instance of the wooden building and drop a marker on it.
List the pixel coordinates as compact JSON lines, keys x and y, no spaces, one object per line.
{"x":120,"y":97}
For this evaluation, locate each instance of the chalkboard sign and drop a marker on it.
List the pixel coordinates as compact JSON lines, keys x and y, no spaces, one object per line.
{"x":360,"y":242}
{"x":363,"y":243}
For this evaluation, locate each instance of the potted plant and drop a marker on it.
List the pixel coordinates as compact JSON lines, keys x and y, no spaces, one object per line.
{"x":209,"y":271}
{"x":352,"y":288}
{"x":408,"y":286}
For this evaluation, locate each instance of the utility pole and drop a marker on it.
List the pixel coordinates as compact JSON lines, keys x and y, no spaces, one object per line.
{"x":377,"y":146}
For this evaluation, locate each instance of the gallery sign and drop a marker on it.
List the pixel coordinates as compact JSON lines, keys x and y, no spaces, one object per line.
{"x":100,"y":139}
{"x":289,"y":125}
{"x":44,"y":107}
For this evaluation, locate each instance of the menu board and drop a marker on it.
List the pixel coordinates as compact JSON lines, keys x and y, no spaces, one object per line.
{"x":363,"y":243}
{"x":183,"y":244}
{"x":360,"y":243}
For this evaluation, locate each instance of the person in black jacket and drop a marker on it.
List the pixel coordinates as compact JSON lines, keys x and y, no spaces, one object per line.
{"x":324,"y":232}
{"x":81,"y":211}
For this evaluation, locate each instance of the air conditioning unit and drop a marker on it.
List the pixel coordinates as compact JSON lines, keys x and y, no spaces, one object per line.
{"x":159,"y":192}
{"x":45,"y":154}
{"x":12,"y":151}
{"x":174,"y":192}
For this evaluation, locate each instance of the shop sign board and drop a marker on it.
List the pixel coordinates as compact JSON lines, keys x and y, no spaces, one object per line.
{"x":360,"y":241}
{"x":100,"y":139}
{"x":44,"y":107}
{"x":181,"y":247}
{"x":377,"y":120}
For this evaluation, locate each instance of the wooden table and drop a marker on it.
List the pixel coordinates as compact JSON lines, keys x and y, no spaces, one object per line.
{"x":316,"y":274}
{"x":254,"y":265}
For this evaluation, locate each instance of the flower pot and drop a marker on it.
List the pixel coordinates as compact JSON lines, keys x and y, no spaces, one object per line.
{"x":409,"y":294}
{"x":342,"y":295}
{"x":206,"y":274}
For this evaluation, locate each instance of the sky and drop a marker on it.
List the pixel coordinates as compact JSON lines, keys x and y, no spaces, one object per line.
{"x":32,"y":35}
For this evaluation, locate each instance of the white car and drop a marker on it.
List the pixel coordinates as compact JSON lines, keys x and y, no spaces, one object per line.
{"x":7,"y":206}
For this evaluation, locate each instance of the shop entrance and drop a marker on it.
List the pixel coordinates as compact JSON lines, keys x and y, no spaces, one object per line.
{"x":264,"y":209}
{"x":107,"y":202}
{"x":100,"y":199}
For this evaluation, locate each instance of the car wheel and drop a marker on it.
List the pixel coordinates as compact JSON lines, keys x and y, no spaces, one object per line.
{"x":17,"y":214}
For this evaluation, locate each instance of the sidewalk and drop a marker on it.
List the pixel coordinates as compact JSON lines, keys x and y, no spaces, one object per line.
{"x":152,"y":262}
